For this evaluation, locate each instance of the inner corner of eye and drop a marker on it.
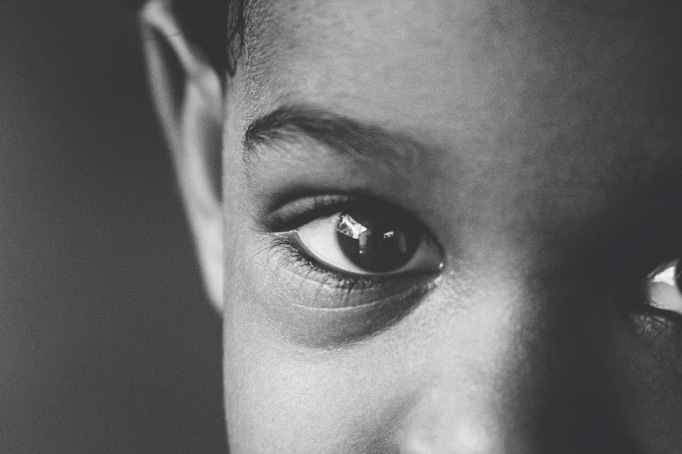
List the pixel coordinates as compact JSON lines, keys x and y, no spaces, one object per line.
{"x":663,"y":287}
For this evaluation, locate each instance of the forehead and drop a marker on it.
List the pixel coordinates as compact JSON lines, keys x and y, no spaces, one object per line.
{"x":443,"y":58}
{"x":531,"y":100}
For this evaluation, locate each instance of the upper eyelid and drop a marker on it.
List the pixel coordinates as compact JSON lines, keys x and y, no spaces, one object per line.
{"x":327,"y":204}
{"x":293,"y":214}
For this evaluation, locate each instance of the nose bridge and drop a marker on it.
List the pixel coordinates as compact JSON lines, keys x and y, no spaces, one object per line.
{"x":497,"y":388}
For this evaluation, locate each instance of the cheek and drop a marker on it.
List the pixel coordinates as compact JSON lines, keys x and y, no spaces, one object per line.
{"x":283,"y":396}
{"x":642,"y":380}
{"x":297,"y":400}
{"x":366,"y":397}
{"x":290,"y":405}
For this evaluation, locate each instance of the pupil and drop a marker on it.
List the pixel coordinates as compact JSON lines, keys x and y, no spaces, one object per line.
{"x":376,"y":245}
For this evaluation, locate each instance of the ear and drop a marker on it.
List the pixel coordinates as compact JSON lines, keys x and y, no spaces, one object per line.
{"x":188,"y":96}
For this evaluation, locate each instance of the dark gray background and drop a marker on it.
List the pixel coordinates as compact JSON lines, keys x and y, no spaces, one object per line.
{"x":107,"y":343}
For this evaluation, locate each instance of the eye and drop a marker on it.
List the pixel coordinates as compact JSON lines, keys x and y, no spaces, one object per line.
{"x":662,"y":287}
{"x":365,"y":241}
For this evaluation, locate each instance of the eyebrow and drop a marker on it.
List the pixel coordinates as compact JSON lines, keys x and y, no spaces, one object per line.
{"x":344,"y":136}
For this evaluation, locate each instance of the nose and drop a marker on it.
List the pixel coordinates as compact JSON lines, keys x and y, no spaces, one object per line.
{"x":443,"y":424}
{"x":477,"y":422}
{"x":503,"y":381}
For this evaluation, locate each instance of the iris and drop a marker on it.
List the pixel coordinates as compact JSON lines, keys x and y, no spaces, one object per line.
{"x":375,"y":243}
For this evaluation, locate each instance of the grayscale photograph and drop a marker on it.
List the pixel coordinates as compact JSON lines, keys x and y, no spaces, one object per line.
{"x":341,"y":226}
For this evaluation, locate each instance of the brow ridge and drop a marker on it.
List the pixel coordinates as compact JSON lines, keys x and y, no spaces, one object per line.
{"x":346,"y":136}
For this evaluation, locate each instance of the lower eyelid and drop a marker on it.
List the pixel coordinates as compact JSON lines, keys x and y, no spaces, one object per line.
{"x":334,"y":291}
{"x":303,"y":266}
{"x":410,"y":293}
{"x":661,"y":331}
{"x":335,"y":321}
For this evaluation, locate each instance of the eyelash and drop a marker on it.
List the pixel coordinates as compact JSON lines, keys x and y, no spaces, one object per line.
{"x":628,"y":274}
{"x":296,"y":214}
{"x":289,"y":255}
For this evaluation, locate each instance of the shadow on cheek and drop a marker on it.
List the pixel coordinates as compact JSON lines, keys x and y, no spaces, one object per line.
{"x":322,"y":327}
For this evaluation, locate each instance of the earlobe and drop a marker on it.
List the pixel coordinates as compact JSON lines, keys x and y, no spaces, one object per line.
{"x":188,"y":97}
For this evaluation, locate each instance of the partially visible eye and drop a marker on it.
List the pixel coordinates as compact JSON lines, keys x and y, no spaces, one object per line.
{"x":368,"y":242}
{"x":662,"y":287}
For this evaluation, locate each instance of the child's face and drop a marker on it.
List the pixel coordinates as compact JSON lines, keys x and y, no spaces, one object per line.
{"x":531,"y":150}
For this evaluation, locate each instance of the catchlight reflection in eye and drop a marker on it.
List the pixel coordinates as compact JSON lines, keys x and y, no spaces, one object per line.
{"x":362,"y":243}
{"x":662,"y":287}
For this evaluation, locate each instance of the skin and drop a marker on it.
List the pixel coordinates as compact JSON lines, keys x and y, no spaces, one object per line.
{"x":542,"y":149}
